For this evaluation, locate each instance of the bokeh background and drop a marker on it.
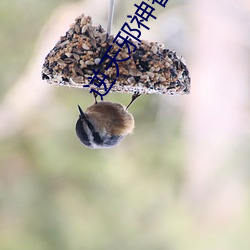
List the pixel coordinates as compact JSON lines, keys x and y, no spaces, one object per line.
{"x":180,"y":182}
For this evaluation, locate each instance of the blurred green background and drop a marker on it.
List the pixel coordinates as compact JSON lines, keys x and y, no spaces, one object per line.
{"x":180,"y":182}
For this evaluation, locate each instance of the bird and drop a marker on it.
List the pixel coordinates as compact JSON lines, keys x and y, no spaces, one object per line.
{"x":104,"y":124}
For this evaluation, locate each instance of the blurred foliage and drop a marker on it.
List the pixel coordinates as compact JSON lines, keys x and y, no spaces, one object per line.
{"x":20,"y":23}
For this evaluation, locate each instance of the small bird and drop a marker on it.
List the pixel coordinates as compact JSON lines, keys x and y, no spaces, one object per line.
{"x":104,"y":124}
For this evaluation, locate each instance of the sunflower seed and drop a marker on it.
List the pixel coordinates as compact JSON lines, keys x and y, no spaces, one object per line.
{"x":85,"y":46}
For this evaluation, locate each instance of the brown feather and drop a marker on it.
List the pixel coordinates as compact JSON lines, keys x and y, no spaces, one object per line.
{"x":111,"y":117}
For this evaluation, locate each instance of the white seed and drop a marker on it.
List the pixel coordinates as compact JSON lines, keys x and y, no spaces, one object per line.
{"x":91,"y":32}
{"x":77,"y":57}
{"x":68,"y":54}
{"x":103,"y":37}
{"x":162,"y":46}
{"x":84,"y":28}
{"x":150,"y":74}
{"x":83,"y":21}
{"x":154,"y":49}
{"x":131,"y":80}
{"x":88,"y":62}
{"x":61,"y":62}
{"x":77,"y":29}
{"x":85,"y":46}
{"x":147,"y":43}
{"x":152,"y":69}
{"x":97,"y":61}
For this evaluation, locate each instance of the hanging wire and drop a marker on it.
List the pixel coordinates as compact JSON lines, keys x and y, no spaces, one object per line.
{"x":110,"y":16}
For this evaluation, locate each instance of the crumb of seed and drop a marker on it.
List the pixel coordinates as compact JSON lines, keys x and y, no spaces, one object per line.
{"x":151,"y":68}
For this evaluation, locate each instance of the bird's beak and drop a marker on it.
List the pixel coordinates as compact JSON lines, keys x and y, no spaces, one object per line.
{"x":82,"y":115}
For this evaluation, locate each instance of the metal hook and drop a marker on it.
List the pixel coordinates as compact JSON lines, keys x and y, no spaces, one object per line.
{"x":110,"y":16}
